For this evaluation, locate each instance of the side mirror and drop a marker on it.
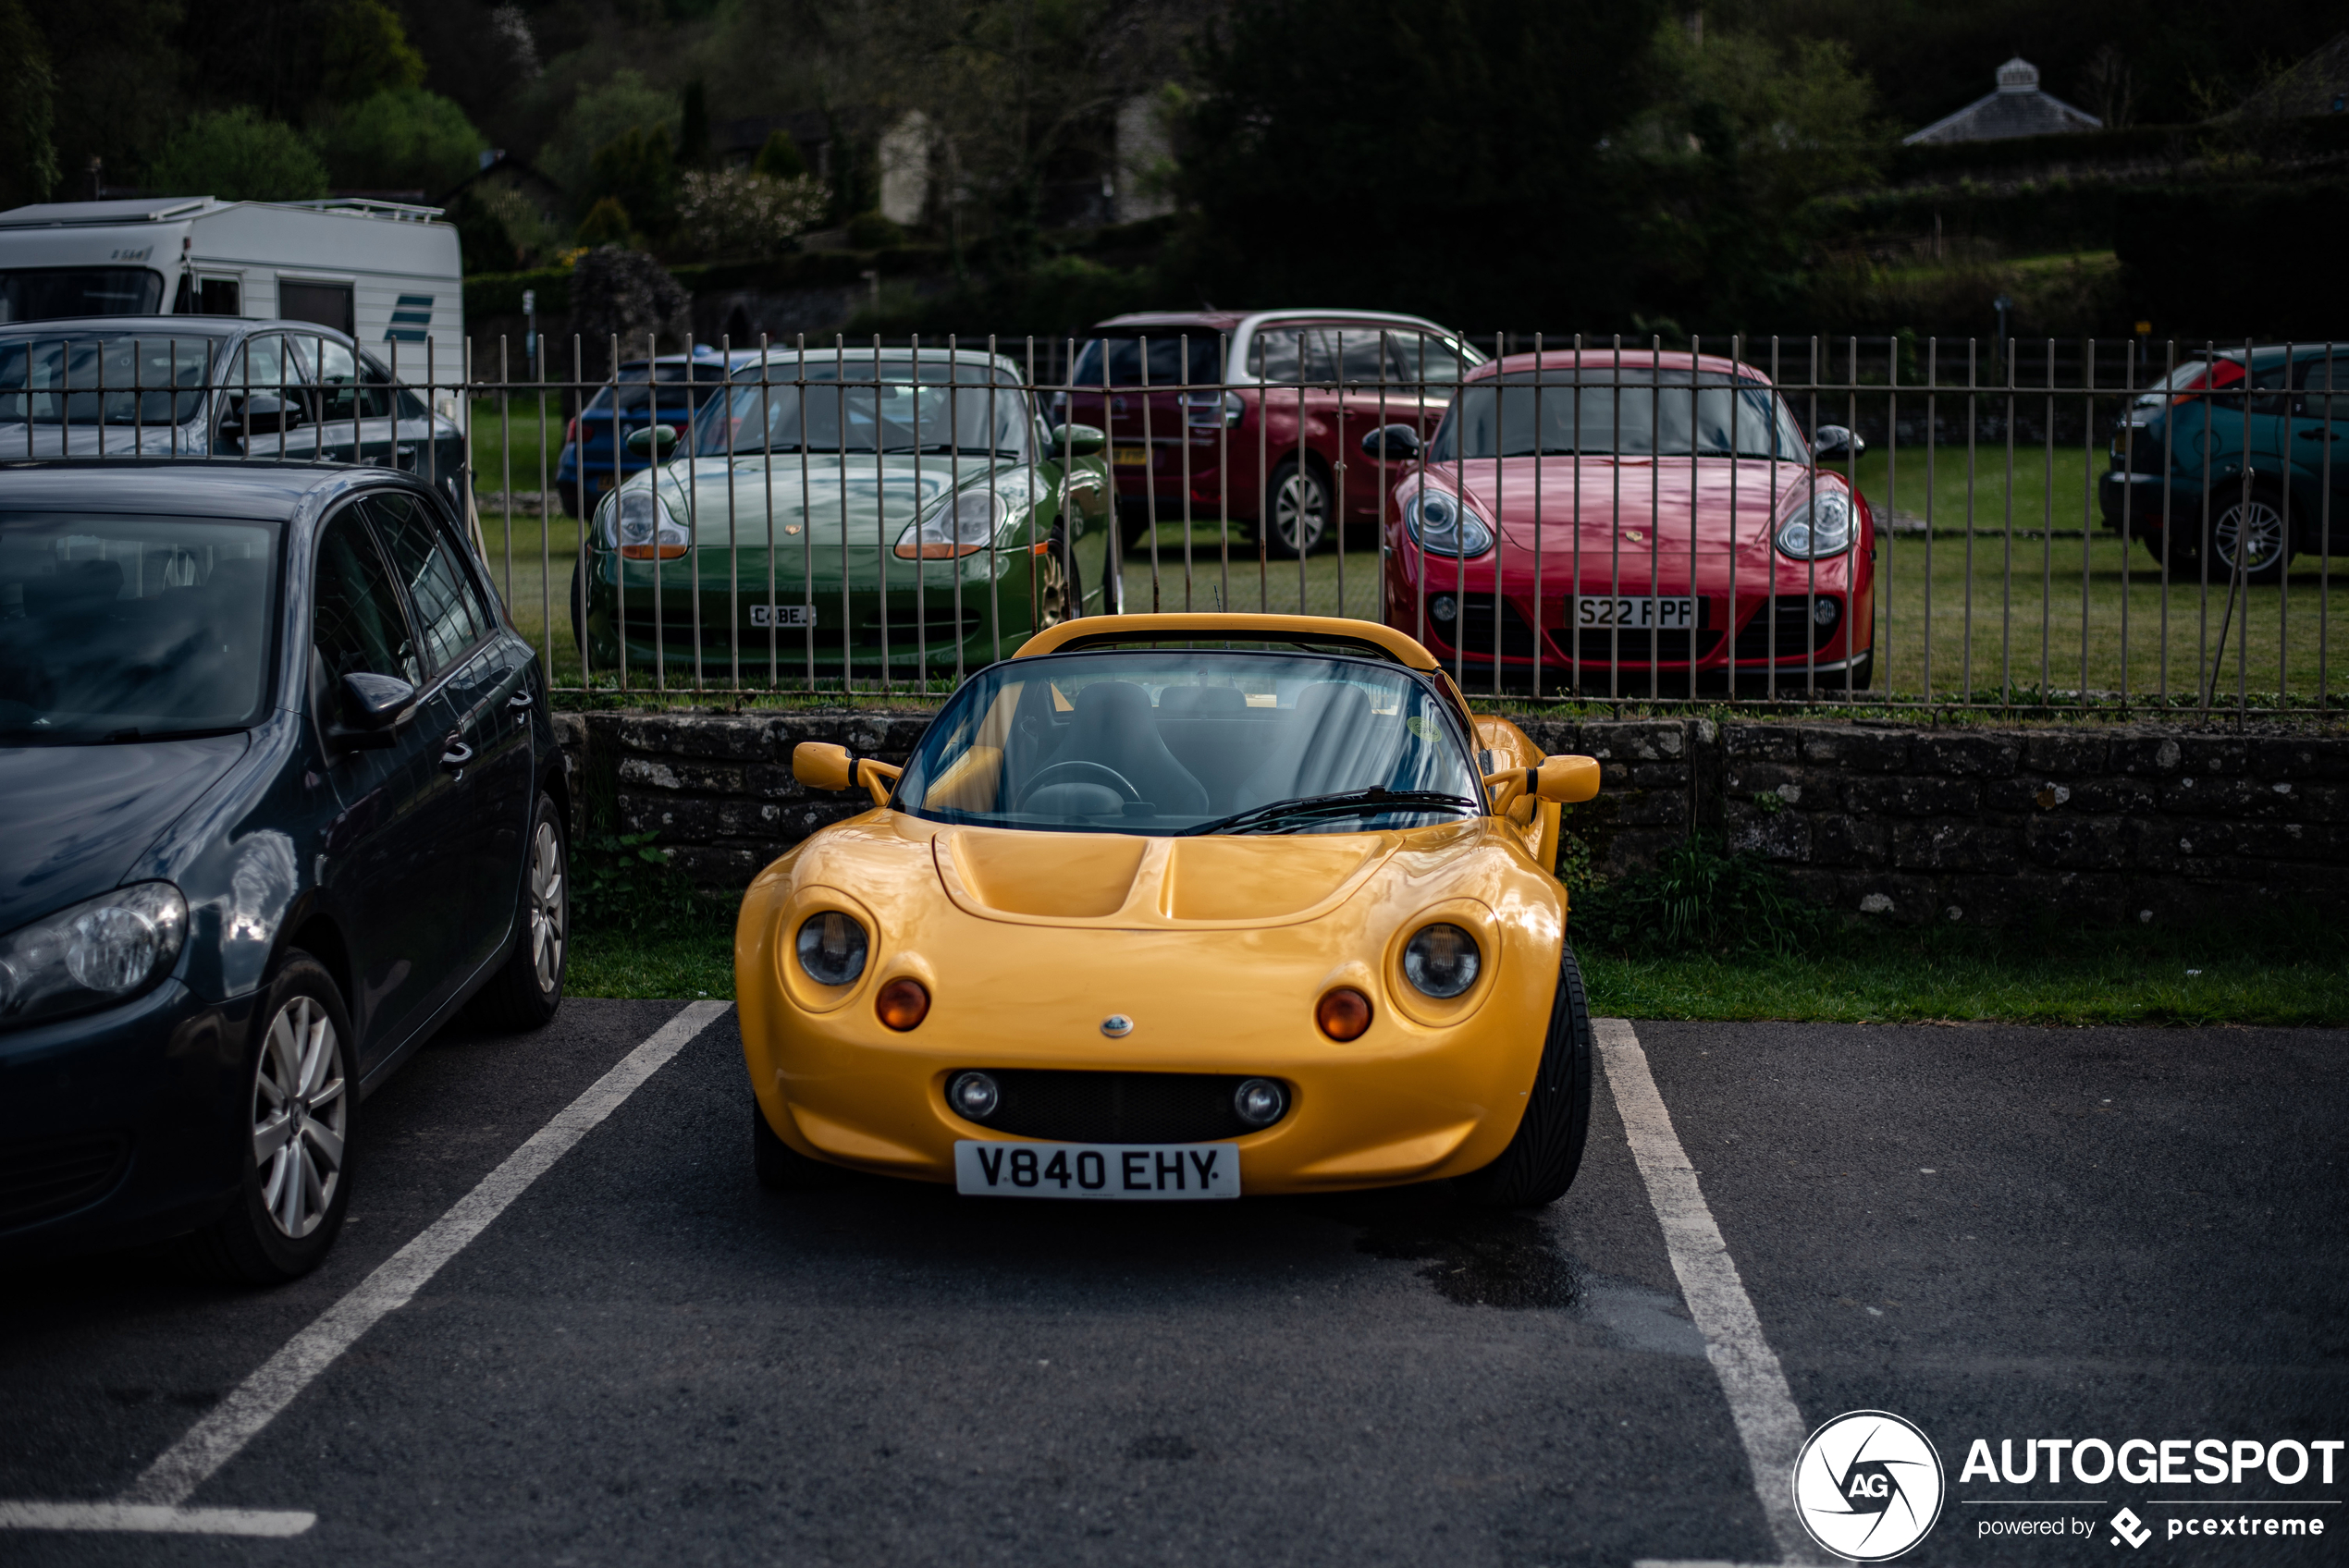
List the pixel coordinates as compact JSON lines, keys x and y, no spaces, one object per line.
{"x":1835,"y":441}
{"x":262,"y":414}
{"x":1397,"y":443}
{"x":822,"y":765}
{"x":373,"y":707}
{"x":1567,"y":780}
{"x":656,"y":441}
{"x":1079,"y":440}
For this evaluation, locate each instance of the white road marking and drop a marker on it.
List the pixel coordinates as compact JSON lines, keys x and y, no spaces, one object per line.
{"x":1760,"y":1402}
{"x":253,"y":1403}
{"x":152,"y":1519}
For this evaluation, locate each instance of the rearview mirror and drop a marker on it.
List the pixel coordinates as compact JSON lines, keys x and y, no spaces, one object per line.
{"x":373,"y":707}
{"x":1397,"y":443}
{"x":822,"y":765}
{"x":1835,"y":441}
{"x":656,"y":441}
{"x":1079,"y":440}
{"x":1567,"y":780}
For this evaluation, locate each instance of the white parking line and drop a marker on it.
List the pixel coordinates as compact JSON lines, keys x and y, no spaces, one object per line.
{"x":152,"y":1502}
{"x":1760,"y":1403}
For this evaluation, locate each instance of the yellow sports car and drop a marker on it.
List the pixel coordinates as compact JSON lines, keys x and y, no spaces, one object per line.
{"x":1179,"y":906}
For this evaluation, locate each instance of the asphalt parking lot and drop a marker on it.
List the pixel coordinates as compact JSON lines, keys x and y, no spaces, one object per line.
{"x":1996,"y":1233}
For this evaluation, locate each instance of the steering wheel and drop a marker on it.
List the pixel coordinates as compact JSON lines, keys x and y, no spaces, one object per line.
{"x":1116,"y":778}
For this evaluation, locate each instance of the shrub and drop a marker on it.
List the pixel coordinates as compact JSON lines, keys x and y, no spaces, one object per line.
{"x":400,"y":139}
{"x":238,"y":156}
{"x":743,"y":213}
{"x":1698,"y":899}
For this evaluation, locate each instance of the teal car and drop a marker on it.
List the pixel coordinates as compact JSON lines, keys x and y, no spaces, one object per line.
{"x":854,"y":512}
{"x":2240,"y":465}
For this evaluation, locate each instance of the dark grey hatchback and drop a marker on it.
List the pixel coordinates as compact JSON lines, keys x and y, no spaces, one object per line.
{"x":278,"y":795}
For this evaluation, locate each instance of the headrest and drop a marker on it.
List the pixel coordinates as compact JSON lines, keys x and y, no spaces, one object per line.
{"x":1202,"y":700}
{"x":1109,"y":700}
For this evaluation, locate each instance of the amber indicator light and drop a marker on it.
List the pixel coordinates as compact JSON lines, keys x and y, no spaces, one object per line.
{"x":902,"y":1003}
{"x":1344,"y":1013}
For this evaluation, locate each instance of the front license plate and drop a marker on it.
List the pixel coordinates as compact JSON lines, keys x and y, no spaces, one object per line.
{"x":1633,"y":614}
{"x":786,"y":616}
{"x":1097,"y":1170}
{"x":1131,"y":457}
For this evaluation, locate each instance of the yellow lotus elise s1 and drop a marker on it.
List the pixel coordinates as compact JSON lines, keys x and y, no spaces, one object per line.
{"x":1174,"y":907}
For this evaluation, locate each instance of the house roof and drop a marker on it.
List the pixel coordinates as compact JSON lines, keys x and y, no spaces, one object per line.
{"x":2017,"y":108}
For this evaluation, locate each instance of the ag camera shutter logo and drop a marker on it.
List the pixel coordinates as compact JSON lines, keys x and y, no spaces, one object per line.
{"x":1868,"y":1486}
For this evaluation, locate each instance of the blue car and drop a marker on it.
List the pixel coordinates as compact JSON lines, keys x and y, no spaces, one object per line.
{"x":2245,"y":469}
{"x":664,"y":391}
{"x":281,"y":796}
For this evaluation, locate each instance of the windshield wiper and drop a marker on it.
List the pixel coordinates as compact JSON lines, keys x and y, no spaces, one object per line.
{"x":1352,"y":803}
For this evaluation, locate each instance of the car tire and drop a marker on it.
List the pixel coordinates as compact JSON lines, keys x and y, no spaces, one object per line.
{"x":2270,"y":540}
{"x":294,"y":1180}
{"x":1296,"y":503}
{"x":527,"y":990}
{"x":578,"y":610}
{"x":782,"y":1168}
{"x":1541,"y":1161}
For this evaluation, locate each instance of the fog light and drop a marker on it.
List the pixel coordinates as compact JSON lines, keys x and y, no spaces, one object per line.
{"x":1344,"y":1013}
{"x":974,"y":1095}
{"x":1260,"y":1101}
{"x":1443,"y":607}
{"x":1825,"y":611}
{"x":902,"y":1003}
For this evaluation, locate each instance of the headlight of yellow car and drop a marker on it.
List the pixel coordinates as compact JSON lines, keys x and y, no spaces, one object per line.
{"x":1442,"y":961}
{"x":832,"y":948}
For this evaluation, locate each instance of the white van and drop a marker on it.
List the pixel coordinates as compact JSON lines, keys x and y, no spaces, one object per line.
{"x":387,"y":274}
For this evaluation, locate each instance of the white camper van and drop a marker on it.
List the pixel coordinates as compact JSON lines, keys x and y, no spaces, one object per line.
{"x":385,"y":273}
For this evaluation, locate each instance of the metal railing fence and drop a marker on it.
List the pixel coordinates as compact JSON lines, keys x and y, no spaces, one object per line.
{"x":2096,"y":526}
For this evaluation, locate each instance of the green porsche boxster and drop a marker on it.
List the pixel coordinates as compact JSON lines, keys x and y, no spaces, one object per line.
{"x":849,"y":510}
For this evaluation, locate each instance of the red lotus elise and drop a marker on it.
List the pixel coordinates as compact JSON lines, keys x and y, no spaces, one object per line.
{"x":1629,"y":523}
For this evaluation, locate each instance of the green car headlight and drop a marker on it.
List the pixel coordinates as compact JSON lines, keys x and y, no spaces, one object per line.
{"x":962,"y":525}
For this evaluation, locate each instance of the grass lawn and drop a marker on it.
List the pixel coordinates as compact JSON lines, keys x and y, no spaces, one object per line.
{"x":2214,"y":976}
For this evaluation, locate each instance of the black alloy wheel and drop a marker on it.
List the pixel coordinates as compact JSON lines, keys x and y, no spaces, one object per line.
{"x":1540,"y":1162}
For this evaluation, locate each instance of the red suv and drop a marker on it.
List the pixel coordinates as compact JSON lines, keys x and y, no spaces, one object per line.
{"x":1249,"y":413}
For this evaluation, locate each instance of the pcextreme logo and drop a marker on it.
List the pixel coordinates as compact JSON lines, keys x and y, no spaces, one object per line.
{"x":1868,"y":1486}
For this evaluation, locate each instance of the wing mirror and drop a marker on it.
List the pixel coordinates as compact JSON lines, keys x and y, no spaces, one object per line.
{"x":819,"y":765}
{"x":262,"y":415}
{"x":1079,"y":440}
{"x":373,"y":708}
{"x":1397,"y":443}
{"x":654,"y":441}
{"x":1835,"y":441}
{"x":1563,"y":779}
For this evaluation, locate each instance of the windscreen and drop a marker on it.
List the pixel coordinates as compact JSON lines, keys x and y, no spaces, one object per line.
{"x":677,"y":398}
{"x":1602,"y":412}
{"x":893,"y":409}
{"x":157,"y":380}
{"x":1118,"y":361}
{"x":1193,"y":741}
{"x":50,"y":293}
{"x":131,"y":628}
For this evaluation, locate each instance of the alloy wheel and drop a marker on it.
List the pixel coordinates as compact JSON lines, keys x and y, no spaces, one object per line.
{"x":1300,"y":513}
{"x":2253,"y":526}
{"x":301,"y":1112}
{"x":547,"y":905}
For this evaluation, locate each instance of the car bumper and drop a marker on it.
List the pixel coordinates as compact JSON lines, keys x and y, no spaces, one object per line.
{"x":2142,"y":501}
{"x":120,"y":1126}
{"x":1405,"y":1103}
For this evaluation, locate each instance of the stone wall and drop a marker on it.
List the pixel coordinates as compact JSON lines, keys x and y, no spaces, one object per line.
{"x":2099,"y":824}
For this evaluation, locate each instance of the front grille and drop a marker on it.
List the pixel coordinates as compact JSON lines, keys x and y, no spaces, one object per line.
{"x":1601,"y":646}
{"x":1797,"y":632}
{"x":42,"y":1178}
{"x":1476,"y":626}
{"x":1115,"y":1108}
{"x":940,"y":628}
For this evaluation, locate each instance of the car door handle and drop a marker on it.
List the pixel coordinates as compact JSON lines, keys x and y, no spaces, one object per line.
{"x":457,"y":755}
{"x":518,"y":701}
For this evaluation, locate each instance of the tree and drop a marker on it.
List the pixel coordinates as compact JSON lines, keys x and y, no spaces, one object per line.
{"x":27,"y":110}
{"x":744,"y":213}
{"x":693,"y":127}
{"x":1437,"y":155}
{"x":636,"y":169}
{"x":401,"y":138}
{"x":615,"y":290}
{"x":605,"y":224}
{"x":238,"y":156}
{"x":780,"y":158}
{"x":598,"y":117}
{"x":367,"y":52}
